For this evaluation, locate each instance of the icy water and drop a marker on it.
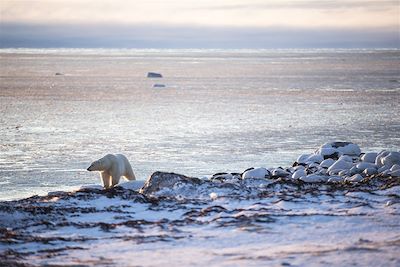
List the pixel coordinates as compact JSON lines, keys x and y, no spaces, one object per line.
{"x":220,"y":111}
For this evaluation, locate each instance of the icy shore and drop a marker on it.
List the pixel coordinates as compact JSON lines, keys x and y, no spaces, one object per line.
{"x":311,"y":213}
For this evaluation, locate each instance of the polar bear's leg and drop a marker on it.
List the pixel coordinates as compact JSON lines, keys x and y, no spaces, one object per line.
{"x":129,"y":173}
{"x":115,"y":176}
{"x":106,"y":179}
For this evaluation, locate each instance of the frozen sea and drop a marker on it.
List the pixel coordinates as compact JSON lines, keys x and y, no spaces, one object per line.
{"x":220,"y":111}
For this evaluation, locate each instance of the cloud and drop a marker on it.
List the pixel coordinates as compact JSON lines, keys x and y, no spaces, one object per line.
{"x":313,"y":4}
{"x":252,"y":13}
{"x":177,"y":36}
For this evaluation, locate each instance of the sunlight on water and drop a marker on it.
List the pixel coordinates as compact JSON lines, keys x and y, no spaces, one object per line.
{"x":221,"y":110}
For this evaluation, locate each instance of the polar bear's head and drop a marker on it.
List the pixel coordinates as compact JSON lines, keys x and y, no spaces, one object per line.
{"x":101,"y":164}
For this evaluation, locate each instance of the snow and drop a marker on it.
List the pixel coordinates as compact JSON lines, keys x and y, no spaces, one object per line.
{"x":307,"y":218}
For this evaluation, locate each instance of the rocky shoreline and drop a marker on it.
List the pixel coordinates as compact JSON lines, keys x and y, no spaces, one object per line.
{"x":93,"y":226}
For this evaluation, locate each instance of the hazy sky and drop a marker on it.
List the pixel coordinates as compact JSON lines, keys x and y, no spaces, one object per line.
{"x":200,"y":23}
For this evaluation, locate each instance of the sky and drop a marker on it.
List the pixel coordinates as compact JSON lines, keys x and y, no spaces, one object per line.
{"x":200,"y":23}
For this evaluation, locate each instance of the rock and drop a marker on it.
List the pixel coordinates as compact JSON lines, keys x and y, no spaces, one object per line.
{"x":370,"y":171}
{"x":327,"y":163}
{"x":298,"y":174}
{"x":278,"y":172}
{"x":340,"y":165}
{"x":391,"y":159}
{"x":343,"y":172}
{"x":354,"y":170}
{"x":154,"y":75}
{"x":378,"y":160}
{"x":222,"y":177}
{"x":328,"y":153}
{"x":302,"y":159}
{"x":256,"y":173}
{"x":158,"y":85}
{"x":58,"y":73}
{"x":355,"y":178}
{"x":383,"y":168}
{"x":369,"y":157}
{"x":314,"y":159}
{"x":160,"y":180}
{"x":343,"y":148}
{"x":346,"y":158}
{"x":314,"y":178}
{"x":395,"y":167}
{"x":132,"y":185}
{"x":335,"y":179}
{"x":299,"y":167}
{"x":365,"y":165}
{"x":395,"y":173}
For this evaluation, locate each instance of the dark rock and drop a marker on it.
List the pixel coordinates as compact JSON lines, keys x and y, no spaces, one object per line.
{"x":334,"y":156}
{"x":160,"y":180}
{"x":340,"y":144}
{"x":154,"y":75}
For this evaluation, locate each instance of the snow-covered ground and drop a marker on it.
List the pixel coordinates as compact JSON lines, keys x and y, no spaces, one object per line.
{"x":176,"y":220}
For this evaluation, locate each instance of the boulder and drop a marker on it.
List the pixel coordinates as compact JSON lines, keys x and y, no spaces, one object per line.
{"x":327,"y":163}
{"x":256,"y":173}
{"x":391,"y":159}
{"x":160,"y":180}
{"x":365,"y":165}
{"x":339,"y":165}
{"x":369,"y":157}
{"x":299,"y":173}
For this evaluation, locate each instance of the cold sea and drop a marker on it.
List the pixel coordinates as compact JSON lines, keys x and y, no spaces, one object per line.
{"x":220,"y":111}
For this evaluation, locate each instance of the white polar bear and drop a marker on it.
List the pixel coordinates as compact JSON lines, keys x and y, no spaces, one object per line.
{"x":112,"y":167}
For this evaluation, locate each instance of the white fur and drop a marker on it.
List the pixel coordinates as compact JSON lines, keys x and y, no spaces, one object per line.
{"x":111,"y":168}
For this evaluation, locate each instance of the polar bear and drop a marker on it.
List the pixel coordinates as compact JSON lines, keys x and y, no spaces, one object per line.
{"x":112,"y":167}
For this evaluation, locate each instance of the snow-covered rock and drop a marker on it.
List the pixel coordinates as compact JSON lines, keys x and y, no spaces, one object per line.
{"x":335,"y":179}
{"x":365,"y":165}
{"x":339,"y":165}
{"x":379,"y":157}
{"x":299,"y":173}
{"x":395,"y":173}
{"x":132,"y":185}
{"x":369,"y":157}
{"x":327,"y":163}
{"x":355,"y":178}
{"x":256,"y":173}
{"x":341,"y":148}
{"x":391,"y":159}
{"x":314,"y":178}
{"x":395,"y":167}
{"x":278,"y":172}
{"x":370,"y":171}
